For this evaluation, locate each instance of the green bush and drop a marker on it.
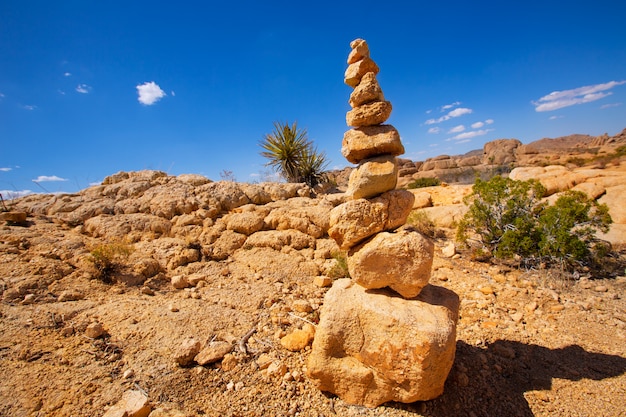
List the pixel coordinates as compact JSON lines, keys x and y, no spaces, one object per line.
{"x":424,"y":182}
{"x":506,"y":219}
{"x":423,"y":224}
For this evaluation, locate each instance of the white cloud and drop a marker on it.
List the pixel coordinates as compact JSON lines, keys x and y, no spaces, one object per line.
{"x":449,"y":106}
{"x":477,"y":125}
{"x":67,"y":74}
{"x":48,"y":178}
{"x":2,"y":96}
{"x":470,"y":134}
{"x":434,"y":130}
{"x":457,"y":129}
{"x":29,"y":107}
{"x":173,"y":94}
{"x":11,"y":194}
{"x":6,"y":169}
{"x":555,"y":117}
{"x":83,"y":88}
{"x":489,"y":121}
{"x":608,"y":106}
{"x":559,"y":99}
{"x":454,"y":113}
{"x":149,"y":93}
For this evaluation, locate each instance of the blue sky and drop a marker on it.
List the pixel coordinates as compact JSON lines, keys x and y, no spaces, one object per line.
{"x":91,"y":88}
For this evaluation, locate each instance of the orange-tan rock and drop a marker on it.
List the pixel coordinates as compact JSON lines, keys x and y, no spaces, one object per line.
{"x":369,"y":114}
{"x":373,"y":177}
{"x":357,"y":70}
{"x":401,"y":260}
{"x":367,"y":91}
{"x":368,"y":141}
{"x":372,"y":347}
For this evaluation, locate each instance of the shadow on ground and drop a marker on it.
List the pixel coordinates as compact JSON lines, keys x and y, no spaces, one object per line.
{"x":492,"y":381}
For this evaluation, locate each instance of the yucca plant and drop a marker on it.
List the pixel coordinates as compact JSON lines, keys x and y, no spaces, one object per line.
{"x":292,"y":155}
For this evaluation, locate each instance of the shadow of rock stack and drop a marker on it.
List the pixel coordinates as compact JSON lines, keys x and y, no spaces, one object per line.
{"x":385,"y":334}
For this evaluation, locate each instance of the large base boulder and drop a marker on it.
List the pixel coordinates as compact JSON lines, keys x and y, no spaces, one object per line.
{"x":372,"y":346}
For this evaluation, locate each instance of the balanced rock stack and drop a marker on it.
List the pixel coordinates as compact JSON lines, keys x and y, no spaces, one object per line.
{"x":385,"y":334}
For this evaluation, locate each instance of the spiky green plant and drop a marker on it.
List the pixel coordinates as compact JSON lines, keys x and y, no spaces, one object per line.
{"x":292,"y":155}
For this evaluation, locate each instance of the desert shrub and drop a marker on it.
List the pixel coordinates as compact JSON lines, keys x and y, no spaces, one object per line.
{"x":424,"y":182}
{"x":423,"y":224}
{"x":506,"y":219}
{"x":293,"y":155}
{"x":340,"y":269}
{"x":107,"y":259}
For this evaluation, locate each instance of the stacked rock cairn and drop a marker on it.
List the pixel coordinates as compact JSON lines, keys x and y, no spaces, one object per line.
{"x":385,"y":334}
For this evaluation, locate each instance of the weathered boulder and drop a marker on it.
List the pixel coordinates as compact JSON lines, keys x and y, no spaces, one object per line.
{"x":356,"y":220}
{"x":372,"y":177}
{"x":278,"y":239}
{"x":13,"y":216}
{"x":369,"y":114}
{"x":356,"y":71}
{"x":368,"y":141}
{"x":500,"y":151}
{"x":245,"y":223}
{"x":372,"y":346}
{"x":615,"y":199}
{"x":367,"y":91}
{"x":401,"y":260}
{"x":130,"y":227}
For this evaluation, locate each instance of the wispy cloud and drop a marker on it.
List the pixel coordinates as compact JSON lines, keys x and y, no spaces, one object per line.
{"x":459,"y":111}
{"x":29,"y":107}
{"x":83,"y":88}
{"x":457,"y":129}
{"x":149,"y":93}
{"x":6,"y":169}
{"x":48,"y":178}
{"x":478,"y":125}
{"x":1,"y":96}
{"x":608,"y":106}
{"x":67,"y":74}
{"x":449,"y":106}
{"x":555,"y":117}
{"x":434,"y":130}
{"x":559,"y":99}
{"x":11,"y":194}
{"x":471,"y":134}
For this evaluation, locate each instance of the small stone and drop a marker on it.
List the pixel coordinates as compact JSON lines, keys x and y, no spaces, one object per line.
{"x":557,"y":308}
{"x":147,"y":290}
{"x":17,"y":217}
{"x":186,"y":352}
{"x":179,"y":282}
{"x":70,"y":295}
{"x":28,"y":299}
{"x":601,"y":288}
{"x":173,"y":308}
{"x":322,"y":281}
{"x":229,"y":362}
{"x":449,"y":250}
{"x":230,"y":386}
{"x":486,"y":289}
{"x":462,"y":379}
{"x":277,"y":369}
{"x":302,"y":306}
{"x":264,"y":361}
{"x":133,"y":404}
{"x":94,"y":330}
{"x":359,"y":51}
{"x":129,"y":373}
{"x":239,"y":386}
{"x":212,"y":353}
{"x":297,"y":340}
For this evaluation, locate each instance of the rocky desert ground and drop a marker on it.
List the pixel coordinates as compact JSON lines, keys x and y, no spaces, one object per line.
{"x":214,"y":290}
